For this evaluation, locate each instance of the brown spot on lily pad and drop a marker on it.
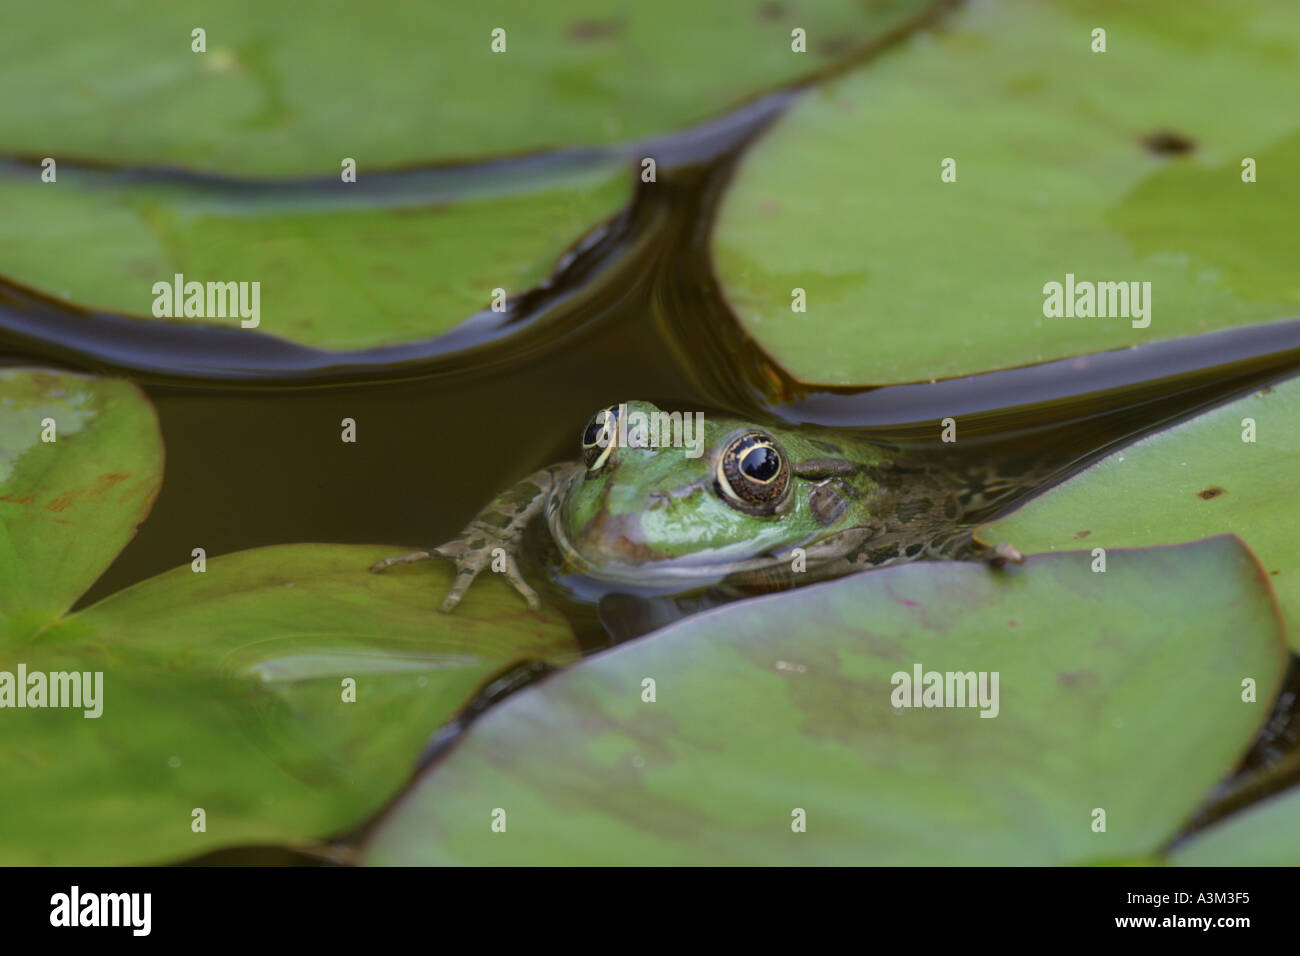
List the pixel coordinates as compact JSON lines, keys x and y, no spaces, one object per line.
{"x":106,"y":483}
{"x":1083,"y":678}
{"x":1168,"y":143}
{"x":1083,"y":534}
{"x":585,"y":30}
{"x":771,"y":11}
{"x":1212,"y":492}
{"x":64,"y":501}
{"x":832,"y":46}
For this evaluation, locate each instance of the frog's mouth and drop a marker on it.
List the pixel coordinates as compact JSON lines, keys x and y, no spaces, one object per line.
{"x":637,"y":564}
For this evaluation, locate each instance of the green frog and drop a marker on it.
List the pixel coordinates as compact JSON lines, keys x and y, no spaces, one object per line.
{"x":666,"y":500}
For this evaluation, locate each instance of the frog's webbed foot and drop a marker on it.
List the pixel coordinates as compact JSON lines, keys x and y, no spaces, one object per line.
{"x":495,"y":532}
{"x":473,"y":550}
{"x":1004,"y":554}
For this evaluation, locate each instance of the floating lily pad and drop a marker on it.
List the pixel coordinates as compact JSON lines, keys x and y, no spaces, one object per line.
{"x":1195,"y":479}
{"x":1122,"y":166}
{"x":222,"y":690}
{"x":1267,"y":834}
{"x":81,"y":462}
{"x":783,"y":703}
{"x":282,"y":91}
{"x":332,"y":273}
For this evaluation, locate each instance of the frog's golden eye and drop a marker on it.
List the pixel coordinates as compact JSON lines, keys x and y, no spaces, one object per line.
{"x":753,"y":474}
{"x":598,"y":437}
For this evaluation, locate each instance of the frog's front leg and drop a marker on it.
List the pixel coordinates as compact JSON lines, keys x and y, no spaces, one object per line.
{"x":500,"y":524}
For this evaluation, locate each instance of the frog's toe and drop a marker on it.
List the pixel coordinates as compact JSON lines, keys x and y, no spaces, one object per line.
{"x":458,"y":588}
{"x":517,"y":580}
{"x":399,"y":559}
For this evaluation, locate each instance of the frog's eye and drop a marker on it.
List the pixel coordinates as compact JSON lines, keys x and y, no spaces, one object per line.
{"x":753,"y":474}
{"x":598,"y":437}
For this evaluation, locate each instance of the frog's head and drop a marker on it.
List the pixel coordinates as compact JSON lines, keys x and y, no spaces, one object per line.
{"x":669,"y":497}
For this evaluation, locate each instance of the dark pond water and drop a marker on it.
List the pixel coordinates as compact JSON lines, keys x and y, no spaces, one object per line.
{"x":251,"y":424}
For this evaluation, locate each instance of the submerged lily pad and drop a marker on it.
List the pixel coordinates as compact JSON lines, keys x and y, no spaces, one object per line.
{"x":283,"y":91}
{"x":1267,"y":834}
{"x":782,"y":704}
{"x":1123,"y":166}
{"x":332,"y":273}
{"x":1195,"y":479}
{"x":222,"y":690}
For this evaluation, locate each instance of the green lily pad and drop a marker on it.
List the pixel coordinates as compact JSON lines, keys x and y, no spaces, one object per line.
{"x":1068,"y":162}
{"x":1195,"y":479}
{"x":280,"y":92}
{"x":221,"y":690}
{"x":1267,"y":834}
{"x":783,"y":703}
{"x":70,"y":504}
{"x":332,"y":273}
